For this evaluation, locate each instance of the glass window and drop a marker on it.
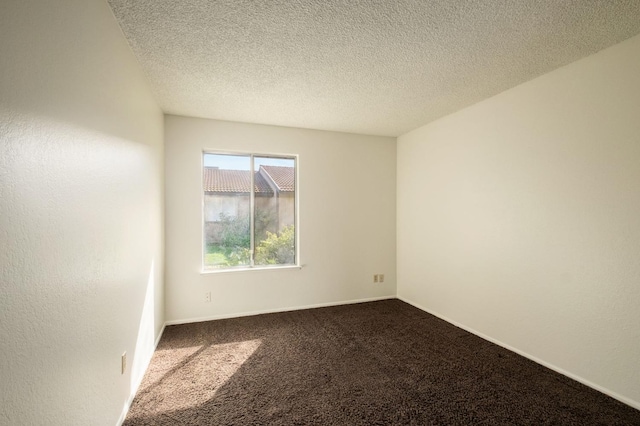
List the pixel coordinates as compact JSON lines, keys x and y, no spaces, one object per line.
{"x":249,"y":210}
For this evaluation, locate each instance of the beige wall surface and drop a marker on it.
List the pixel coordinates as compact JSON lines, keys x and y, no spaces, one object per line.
{"x":519,"y":218}
{"x":346,"y":193}
{"x":81,"y":261}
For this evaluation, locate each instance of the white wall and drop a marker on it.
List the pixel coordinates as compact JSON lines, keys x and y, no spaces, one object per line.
{"x":347,"y":220}
{"x":519,"y":218}
{"x":81,"y":261}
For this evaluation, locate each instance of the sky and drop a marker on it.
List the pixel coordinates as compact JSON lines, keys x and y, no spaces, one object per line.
{"x":242,"y":162}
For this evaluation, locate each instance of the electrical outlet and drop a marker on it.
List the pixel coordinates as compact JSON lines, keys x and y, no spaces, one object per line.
{"x":375,"y":278}
{"x":207,"y":297}
{"x":123,"y":363}
{"x":381,"y":278}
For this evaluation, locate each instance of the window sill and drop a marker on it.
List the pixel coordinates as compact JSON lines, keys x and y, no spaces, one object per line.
{"x":241,"y":269}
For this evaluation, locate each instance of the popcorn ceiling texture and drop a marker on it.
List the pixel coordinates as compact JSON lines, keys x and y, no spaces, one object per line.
{"x":371,"y":67}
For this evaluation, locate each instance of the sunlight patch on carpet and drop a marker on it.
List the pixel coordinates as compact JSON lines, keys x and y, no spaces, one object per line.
{"x":194,"y":374}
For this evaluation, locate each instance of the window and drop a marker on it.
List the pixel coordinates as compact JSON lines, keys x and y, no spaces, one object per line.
{"x":249,"y":210}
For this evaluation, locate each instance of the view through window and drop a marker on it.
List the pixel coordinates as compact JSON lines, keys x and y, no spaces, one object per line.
{"x":249,"y":210}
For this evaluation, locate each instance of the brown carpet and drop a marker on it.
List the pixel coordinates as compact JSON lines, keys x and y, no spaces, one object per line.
{"x":379,"y":363}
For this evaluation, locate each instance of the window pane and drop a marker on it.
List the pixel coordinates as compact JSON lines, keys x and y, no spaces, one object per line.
{"x":274,"y":237}
{"x":227,"y":210}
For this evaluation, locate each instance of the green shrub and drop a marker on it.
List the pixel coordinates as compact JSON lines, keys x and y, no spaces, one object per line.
{"x":235,"y":244}
{"x":235,"y":231}
{"x":277,"y":249}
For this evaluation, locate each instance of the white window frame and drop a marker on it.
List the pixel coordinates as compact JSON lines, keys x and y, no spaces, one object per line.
{"x":251,"y":266}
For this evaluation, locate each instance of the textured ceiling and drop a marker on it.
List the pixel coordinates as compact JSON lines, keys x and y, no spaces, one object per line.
{"x":374,"y":67}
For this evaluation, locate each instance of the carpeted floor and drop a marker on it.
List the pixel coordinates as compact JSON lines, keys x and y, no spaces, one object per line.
{"x":379,"y":363}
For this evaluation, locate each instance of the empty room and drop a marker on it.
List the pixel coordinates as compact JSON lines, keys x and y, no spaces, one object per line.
{"x":237,"y":212}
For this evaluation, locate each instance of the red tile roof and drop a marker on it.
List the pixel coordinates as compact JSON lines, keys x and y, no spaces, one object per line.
{"x":234,"y":181}
{"x":283,"y":177}
{"x":219,"y":180}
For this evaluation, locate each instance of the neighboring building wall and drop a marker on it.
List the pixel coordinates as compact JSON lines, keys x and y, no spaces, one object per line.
{"x":274,"y":210}
{"x":230,"y":205}
{"x":234,"y":206}
{"x":286,"y":209}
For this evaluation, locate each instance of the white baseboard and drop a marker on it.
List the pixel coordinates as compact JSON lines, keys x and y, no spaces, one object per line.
{"x":621,"y":398}
{"x":271,"y":311}
{"x":136,"y":385}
